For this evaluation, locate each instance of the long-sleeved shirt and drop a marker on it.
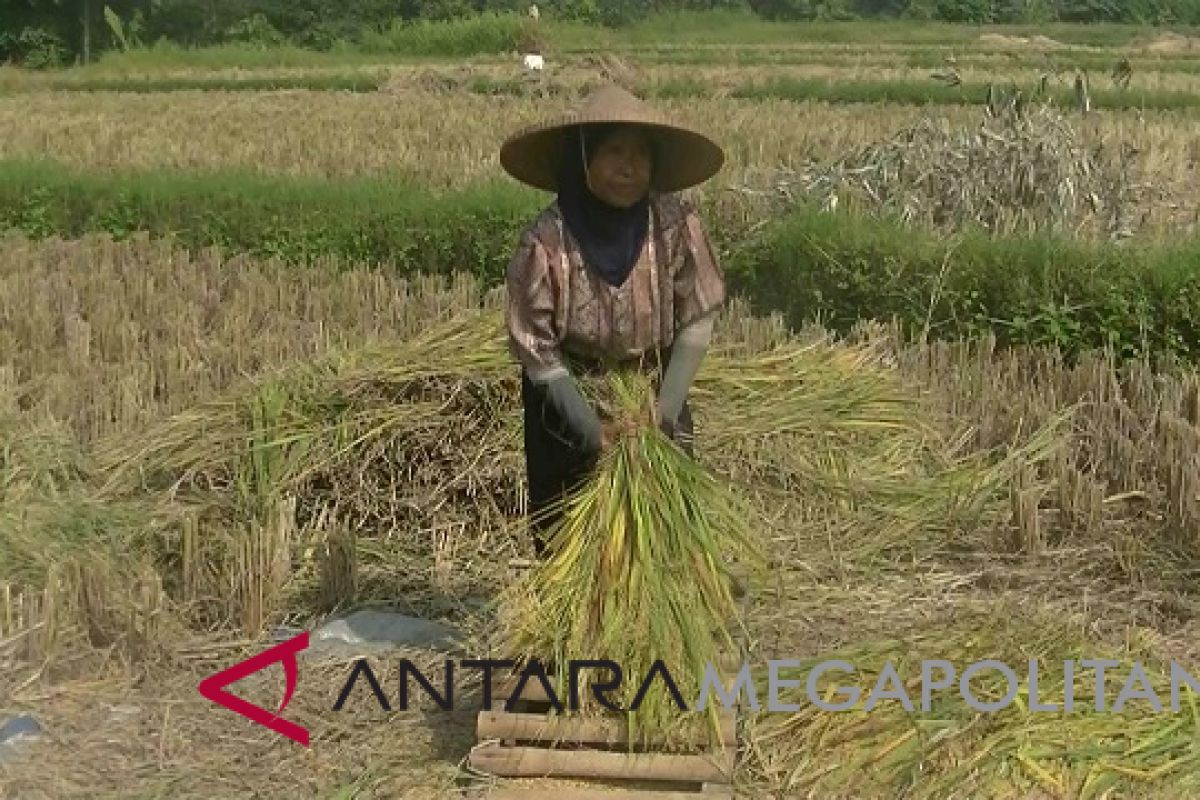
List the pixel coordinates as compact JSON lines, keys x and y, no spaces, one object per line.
{"x":557,"y":306}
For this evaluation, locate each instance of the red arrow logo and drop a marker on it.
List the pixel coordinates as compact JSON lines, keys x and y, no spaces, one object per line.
{"x":213,"y":687}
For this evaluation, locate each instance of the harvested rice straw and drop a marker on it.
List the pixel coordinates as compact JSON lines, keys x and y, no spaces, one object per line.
{"x":424,"y":433}
{"x":836,"y":424}
{"x":954,"y":749}
{"x":637,"y":572}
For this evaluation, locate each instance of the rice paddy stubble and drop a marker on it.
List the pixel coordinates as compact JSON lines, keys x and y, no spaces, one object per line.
{"x":441,"y":140}
{"x":372,"y":381}
{"x":1005,"y":754}
{"x":291,"y":315}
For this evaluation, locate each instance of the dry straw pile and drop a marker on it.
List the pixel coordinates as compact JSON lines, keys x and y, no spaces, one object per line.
{"x":1027,"y":169}
{"x":407,"y":441}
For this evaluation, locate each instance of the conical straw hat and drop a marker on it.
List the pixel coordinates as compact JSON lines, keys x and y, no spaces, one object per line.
{"x":683,"y":157}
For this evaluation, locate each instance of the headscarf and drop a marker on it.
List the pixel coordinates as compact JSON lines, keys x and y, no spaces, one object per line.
{"x":611,"y":238}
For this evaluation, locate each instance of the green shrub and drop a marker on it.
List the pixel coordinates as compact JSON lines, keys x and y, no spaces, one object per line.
{"x":1072,"y":295}
{"x":481,"y":35}
{"x":297,"y":220}
{"x":37,"y":48}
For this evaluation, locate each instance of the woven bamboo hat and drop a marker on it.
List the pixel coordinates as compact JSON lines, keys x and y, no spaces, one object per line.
{"x":683,"y":157}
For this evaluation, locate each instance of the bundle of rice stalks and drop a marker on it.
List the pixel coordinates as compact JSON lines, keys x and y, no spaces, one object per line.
{"x":1019,"y":173}
{"x":638,"y":573}
{"x":874,"y":746}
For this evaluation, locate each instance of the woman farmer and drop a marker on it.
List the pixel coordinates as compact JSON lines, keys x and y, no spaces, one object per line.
{"x":617,"y":269}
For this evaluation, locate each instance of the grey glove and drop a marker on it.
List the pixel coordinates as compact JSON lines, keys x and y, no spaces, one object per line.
{"x":687,"y":352}
{"x":582,"y":419}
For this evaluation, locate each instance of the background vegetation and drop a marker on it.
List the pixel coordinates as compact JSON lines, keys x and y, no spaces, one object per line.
{"x":45,"y":33}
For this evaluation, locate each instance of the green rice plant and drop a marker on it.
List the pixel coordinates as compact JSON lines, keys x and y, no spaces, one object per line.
{"x":638,"y":570}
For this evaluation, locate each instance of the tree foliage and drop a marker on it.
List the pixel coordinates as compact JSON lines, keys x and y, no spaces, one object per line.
{"x":45,"y":33}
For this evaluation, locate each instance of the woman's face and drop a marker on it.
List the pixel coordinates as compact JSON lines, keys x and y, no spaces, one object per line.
{"x":620,"y":169}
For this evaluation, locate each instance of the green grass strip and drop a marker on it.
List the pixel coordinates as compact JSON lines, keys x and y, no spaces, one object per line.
{"x":1135,"y":298}
{"x":922,"y":57}
{"x":152,"y":84}
{"x":295,"y":219}
{"x":1138,"y":300}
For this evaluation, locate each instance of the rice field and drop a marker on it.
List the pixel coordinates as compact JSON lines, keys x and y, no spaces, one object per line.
{"x":439,"y":140}
{"x":1171,"y":77}
{"x":200,"y":445}
{"x":451,"y":142}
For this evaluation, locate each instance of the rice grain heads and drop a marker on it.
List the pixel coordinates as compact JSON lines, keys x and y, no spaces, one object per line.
{"x":638,"y":572}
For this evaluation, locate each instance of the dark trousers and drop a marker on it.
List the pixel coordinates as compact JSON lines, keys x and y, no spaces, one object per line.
{"x":556,"y":464}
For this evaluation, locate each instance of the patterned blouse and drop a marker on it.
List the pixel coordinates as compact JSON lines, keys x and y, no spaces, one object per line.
{"x":557,"y":307}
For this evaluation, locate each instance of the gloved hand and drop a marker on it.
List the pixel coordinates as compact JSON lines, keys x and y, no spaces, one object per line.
{"x":686,"y":354}
{"x":582,"y":419}
{"x":667,"y":426}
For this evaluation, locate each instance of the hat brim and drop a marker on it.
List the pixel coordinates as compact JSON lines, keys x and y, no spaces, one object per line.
{"x":683,"y":158}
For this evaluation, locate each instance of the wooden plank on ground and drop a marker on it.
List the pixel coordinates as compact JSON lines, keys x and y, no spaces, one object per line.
{"x":573,"y":793}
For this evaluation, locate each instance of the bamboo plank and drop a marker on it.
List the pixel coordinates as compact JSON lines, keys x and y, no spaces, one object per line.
{"x":532,"y":762}
{"x":600,"y":730}
{"x":573,"y":793}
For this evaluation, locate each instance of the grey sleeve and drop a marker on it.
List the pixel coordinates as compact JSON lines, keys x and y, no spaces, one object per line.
{"x":687,"y":352}
{"x":566,"y":398}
